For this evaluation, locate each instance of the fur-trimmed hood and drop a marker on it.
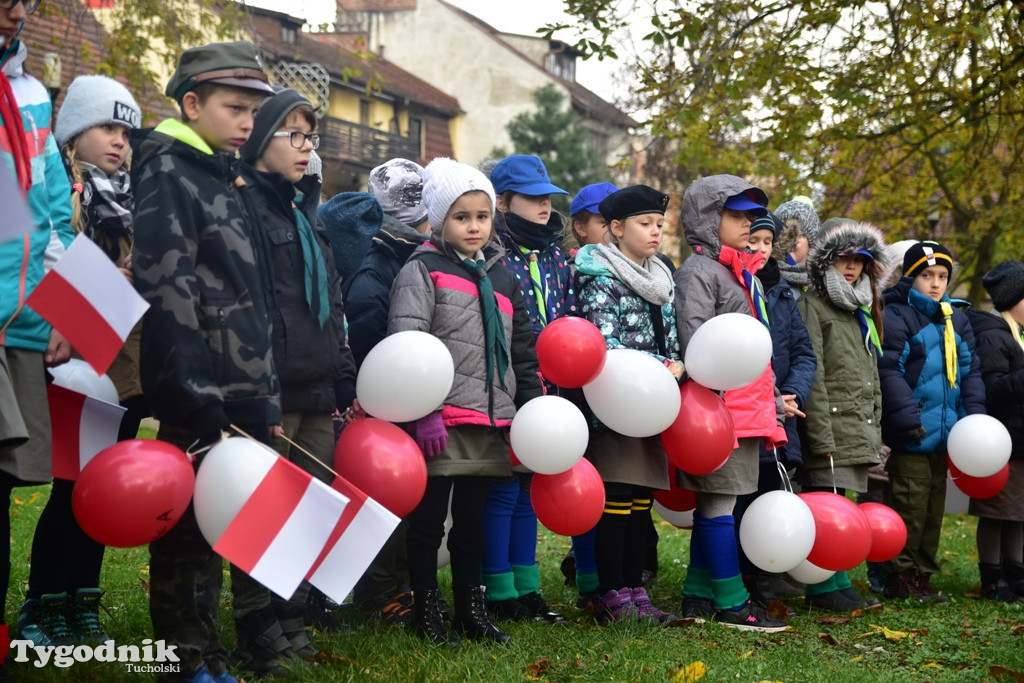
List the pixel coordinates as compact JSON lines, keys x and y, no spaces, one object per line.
{"x":842,"y":239}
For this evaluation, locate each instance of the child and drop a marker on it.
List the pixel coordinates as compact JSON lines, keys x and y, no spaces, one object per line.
{"x":455,"y":288}
{"x":627,"y":292}
{"x":383,"y":591}
{"x":311,"y":354}
{"x":586,"y":224}
{"x":529,"y":230}
{"x":794,"y":365}
{"x":28,"y":344}
{"x":931,"y":377}
{"x":92,"y":130}
{"x":200,"y":262}
{"x":794,"y":241}
{"x":840,"y":437}
{"x":1000,"y":346}
{"x":718,"y":278}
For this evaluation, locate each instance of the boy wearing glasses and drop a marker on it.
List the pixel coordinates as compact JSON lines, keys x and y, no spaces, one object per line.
{"x":314,"y":363}
{"x":200,"y":261}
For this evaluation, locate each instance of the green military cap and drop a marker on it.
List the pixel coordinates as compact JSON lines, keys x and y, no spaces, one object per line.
{"x":236,"y":64}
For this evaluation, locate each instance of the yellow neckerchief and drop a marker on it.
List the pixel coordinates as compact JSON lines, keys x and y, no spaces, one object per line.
{"x":949,"y":342}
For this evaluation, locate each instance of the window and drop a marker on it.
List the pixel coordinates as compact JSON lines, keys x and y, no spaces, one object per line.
{"x":287,"y":35}
{"x":416,"y":135}
{"x":364,"y":112}
{"x":562,"y":65}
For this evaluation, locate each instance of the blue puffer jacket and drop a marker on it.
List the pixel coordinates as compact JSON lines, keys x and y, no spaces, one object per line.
{"x":915,"y":390}
{"x":793,"y":359}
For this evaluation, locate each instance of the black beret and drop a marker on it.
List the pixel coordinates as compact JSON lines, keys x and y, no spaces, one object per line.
{"x":632,"y":201}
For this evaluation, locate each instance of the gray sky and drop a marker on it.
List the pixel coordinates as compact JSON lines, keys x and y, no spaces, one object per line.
{"x":525,"y":19}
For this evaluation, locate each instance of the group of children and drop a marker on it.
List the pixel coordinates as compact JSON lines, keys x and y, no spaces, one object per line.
{"x":215,"y":222}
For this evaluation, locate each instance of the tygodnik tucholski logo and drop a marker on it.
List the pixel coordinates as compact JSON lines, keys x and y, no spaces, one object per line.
{"x":151,"y":657}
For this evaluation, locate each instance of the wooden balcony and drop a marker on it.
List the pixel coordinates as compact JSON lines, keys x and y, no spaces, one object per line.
{"x":361,"y":146}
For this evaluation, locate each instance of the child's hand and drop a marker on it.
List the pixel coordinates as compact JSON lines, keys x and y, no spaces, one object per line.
{"x":675,"y":367}
{"x":353,"y":412}
{"x":791,"y":407}
{"x":275,"y":431}
{"x":58,"y":351}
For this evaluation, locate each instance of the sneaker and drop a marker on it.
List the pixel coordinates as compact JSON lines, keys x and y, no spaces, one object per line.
{"x":568,"y":568}
{"x":876,"y":577}
{"x":766,"y":588}
{"x":835,"y":601}
{"x":201,"y":676}
{"x":539,"y":609}
{"x":901,"y":586}
{"x":320,"y":611}
{"x":616,"y":605}
{"x":646,"y":611}
{"x":44,"y":621}
{"x":588,"y":602}
{"x":262,"y":663}
{"x":750,"y":617}
{"x":394,"y":611}
{"x":85,"y":616}
{"x":225,"y":678}
{"x":926,"y":593}
{"x":697,"y":608}
{"x":868,"y":601}
{"x":509,"y":610}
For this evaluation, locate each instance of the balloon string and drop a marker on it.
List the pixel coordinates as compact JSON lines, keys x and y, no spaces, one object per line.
{"x":787,"y":485}
{"x":832,"y":466}
{"x":318,"y":460}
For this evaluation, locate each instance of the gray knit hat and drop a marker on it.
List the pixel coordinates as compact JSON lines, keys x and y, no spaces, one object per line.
{"x":93,"y":101}
{"x":444,"y":181}
{"x":798,"y":218}
{"x":398,"y":186}
{"x":1005,"y":284}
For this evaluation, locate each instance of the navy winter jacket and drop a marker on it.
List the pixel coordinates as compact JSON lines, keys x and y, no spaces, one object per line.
{"x":1002,"y":370}
{"x":915,"y":390}
{"x":793,"y":362}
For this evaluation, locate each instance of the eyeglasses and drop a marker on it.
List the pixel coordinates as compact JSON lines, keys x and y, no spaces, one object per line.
{"x":298,"y":140}
{"x":30,"y":5}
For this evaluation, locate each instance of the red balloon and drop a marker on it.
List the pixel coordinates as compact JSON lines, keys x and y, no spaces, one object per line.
{"x":675,"y":498}
{"x":702,"y":436}
{"x":569,"y":503}
{"x":842,"y":534}
{"x":133,"y":492}
{"x":888,"y":531}
{"x":571,"y":352}
{"x":513,"y":458}
{"x":384,"y":462}
{"x":980,"y":487}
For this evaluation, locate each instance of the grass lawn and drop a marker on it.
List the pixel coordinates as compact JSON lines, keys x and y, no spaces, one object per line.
{"x":967,"y":640}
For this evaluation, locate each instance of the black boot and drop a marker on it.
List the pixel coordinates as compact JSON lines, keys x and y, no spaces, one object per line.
{"x":994,"y":585}
{"x":1013,"y":572}
{"x":471,"y":615}
{"x":426,"y":615}
{"x":262,"y":648}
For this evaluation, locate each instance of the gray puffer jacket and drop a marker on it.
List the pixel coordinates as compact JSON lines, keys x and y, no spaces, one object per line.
{"x":435,"y":293}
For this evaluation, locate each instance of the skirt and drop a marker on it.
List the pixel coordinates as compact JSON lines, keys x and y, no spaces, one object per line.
{"x":628,"y":459}
{"x":737,"y":477}
{"x":1008,"y":504}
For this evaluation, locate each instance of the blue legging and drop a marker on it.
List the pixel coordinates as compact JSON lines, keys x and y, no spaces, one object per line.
{"x":510,"y":526}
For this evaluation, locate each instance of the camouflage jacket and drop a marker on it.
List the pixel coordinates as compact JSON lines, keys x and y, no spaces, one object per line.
{"x":206,"y":356}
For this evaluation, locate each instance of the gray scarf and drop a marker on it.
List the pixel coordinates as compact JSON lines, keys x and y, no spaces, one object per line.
{"x":845,"y":295}
{"x":795,"y":274}
{"x":651,"y":281}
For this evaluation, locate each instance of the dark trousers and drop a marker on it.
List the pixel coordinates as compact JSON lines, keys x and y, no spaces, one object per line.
{"x":917,"y":487}
{"x":465,"y":538}
{"x":622,"y":536}
{"x":64,"y":558}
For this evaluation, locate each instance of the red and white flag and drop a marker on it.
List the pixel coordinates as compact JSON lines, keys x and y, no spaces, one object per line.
{"x":281,"y":529}
{"x":359,"y":535}
{"x":90,"y":302}
{"x":82,"y":426}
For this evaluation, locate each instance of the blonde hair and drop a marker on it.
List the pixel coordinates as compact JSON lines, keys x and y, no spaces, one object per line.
{"x":1014,"y":327}
{"x":70,"y":151}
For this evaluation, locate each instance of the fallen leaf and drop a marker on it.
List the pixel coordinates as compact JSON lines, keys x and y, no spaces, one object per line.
{"x":694,"y":671}
{"x":538,"y":667}
{"x":1018,"y":630}
{"x":832,"y":620}
{"x":827,"y":639}
{"x":858,"y":658}
{"x":931,"y":665}
{"x":1004,"y":673}
{"x":887,"y":632}
{"x":746,"y":655}
{"x":34,"y":497}
{"x":17,"y":500}
{"x":779,"y":610}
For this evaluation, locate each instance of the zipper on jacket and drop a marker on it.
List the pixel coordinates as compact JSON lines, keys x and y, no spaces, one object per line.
{"x":222,"y":322}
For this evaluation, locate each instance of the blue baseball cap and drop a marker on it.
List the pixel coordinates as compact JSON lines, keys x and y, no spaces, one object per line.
{"x":589,"y":197}
{"x":743,"y":202}
{"x":523,"y":173}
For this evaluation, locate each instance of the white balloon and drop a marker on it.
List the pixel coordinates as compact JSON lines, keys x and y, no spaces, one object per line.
{"x":777,"y":531}
{"x":979,"y":445}
{"x":405,"y":377}
{"x":728,"y":351}
{"x":227,"y":477}
{"x":956,"y":500}
{"x":549,"y":434}
{"x":635,"y":394}
{"x":683,"y":520}
{"x":810,"y":573}
{"x":77,"y":375}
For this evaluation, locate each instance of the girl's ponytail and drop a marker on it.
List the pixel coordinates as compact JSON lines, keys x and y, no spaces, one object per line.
{"x":77,"y":184}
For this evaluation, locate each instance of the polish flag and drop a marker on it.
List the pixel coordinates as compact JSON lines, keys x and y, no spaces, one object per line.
{"x":281,"y":529}
{"x":82,"y":426}
{"x":362,"y":531}
{"x":90,"y":302}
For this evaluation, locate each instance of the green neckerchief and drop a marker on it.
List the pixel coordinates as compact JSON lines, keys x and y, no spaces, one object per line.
{"x":313,"y":264}
{"x":494,"y":332}
{"x":180,"y":131}
{"x":540,"y":289}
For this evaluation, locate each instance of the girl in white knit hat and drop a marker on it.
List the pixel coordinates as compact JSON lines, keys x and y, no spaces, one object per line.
{"x":455,"y":288}
{"x":62,"y":600}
